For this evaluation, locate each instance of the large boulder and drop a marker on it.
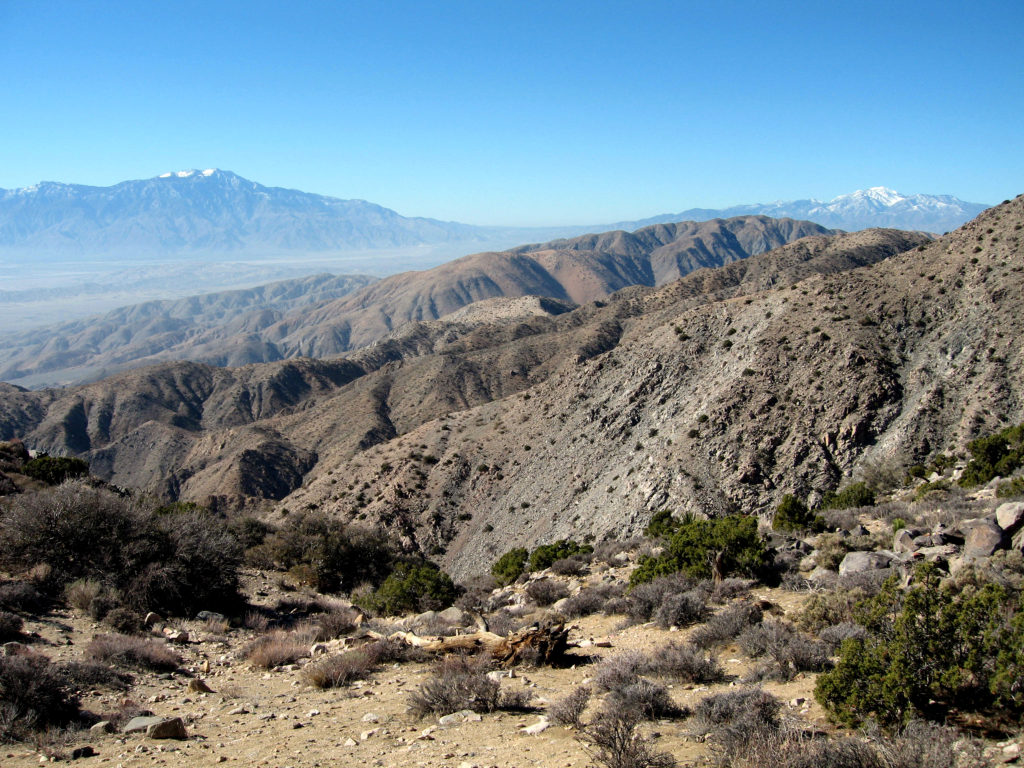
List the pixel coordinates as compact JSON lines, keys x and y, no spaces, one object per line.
{"x":860,"y":562}
{"x":983,"y":540}
{"x":1010,"y":516}
{"x":905,"y":540}
{"x":156,"y":727}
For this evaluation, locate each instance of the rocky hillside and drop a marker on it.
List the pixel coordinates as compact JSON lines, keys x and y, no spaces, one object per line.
{"x":297,"y":318}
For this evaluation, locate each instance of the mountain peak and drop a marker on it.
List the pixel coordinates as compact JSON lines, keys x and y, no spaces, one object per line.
{"x":189,"y":173}
{"x":882,"y":195}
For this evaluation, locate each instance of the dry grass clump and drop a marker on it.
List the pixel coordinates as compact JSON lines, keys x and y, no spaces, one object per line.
{"x":734,"y":717}
{"x":335,"y":623}
{"x":81,"y":593}
{"x":569,"y":566}
{"x":826,"y":609}
{"x":341,"y":670}
{"x":685,"y":663}
{"x":457,"y":683}
{"x":726,"y":625}
{"x":834,"y":636}
{"x":34,"y":696}
{"x":613,"y":741}
{"x":728,"y":589}
{"x":619,"y":670}
{"x":277,"y":648}
{"x":590,"y":600}
{"x":788,"y":651}
{"x":91,"y":674}
{"x":649,"y":700}
{"x":680,"y":610}
{"x":643,"y":601}
{"x":136,"y":652}
{"x":20,"y":596}
{"x":546,"y":591}
{"x":568,"y":711}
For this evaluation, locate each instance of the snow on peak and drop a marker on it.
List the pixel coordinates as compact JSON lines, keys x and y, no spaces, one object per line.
{"x":188,"y":174}
{"x":882,"y":195}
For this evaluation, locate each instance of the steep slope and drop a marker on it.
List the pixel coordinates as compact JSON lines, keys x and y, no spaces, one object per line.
{"x":578,"y":270}
{"x":184,"y":429}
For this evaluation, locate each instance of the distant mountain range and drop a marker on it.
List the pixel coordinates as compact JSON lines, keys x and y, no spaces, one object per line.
{"x":219,"y":212}
{"x":864,"y":209}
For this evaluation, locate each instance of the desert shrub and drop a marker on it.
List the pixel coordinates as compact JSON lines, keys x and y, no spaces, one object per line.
{"x":730,"y":588}
{"x":612,"y":741}
{"x":825,"y":609}
{"x":685,"y":664}
{"x":277,"y":648}
{"x":793,"y":515}
{"x":742,"y":713}
{"x":607,"y":551}
{"x":388,"y":651}
{"x":591,"y":600}
{"x":680,"y":610}
{"x":81,"y":592}
{"x":136,"y":652}
{"x":568,"y":711}
{"x":546,"y":591}
{"x":929,"y":650}
{"x":510,"y":565}
{"x":20,"y":596}
{"x":476,"y":594}
{"x":341,"y":670}
{"x":248,"y":531}
{"x":411,"y":587}
{"x":175,"y":564}
{"x":333,"y":556}
{"x":829,"y":550}
{"x":10,"y":626}
{"x":457,"y":683}
{"x":569,"y":566}
{"x":546,"y":554}
{"x":921,"y":744}
{"x":92,"y":674}
{"x":650,"y":700}
{"x":620,"y":670}
{"x":124,"y":620}
{"x":54,"y":470}
{"x":34,"y":695}
{"x":993,"y":456}
{"x":834,"y":635}
{"x":702,"y":548}
{"x":853,"y":495}
{"x":644,"y":599}
{"x":503,"y":622}
{"x":334,"y":624}
{"x":1011,"y":488}
{"x":726,"y":625}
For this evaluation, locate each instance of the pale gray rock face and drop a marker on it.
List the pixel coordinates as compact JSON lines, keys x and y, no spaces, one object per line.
{"x":983,"y":540}
{"x":1010,"y":516}
{"x":859,"y":562}
{"x":156,"y":727}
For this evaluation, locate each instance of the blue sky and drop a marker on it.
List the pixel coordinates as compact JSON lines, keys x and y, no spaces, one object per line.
{"x":521,"y":112}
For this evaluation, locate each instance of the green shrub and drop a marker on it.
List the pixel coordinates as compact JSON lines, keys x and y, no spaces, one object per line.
{"x":54,"y":470}
{"x":930,"y":650}
{"x":419,"y":586}
{"x":793,"y":515}
{"x":706,"y":548}
{"x":995,"y":455}
{"x":172,"y":564}
{"x":546,"y":554}
{"x":1011,"y":488}
{"x":510,"y":566}
{"x":854,"y":495}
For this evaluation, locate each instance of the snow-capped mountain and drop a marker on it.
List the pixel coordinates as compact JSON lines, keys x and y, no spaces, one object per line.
{"x":863,"y":209}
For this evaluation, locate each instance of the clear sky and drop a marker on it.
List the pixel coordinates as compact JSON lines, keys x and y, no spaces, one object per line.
{"x":493,"y":112}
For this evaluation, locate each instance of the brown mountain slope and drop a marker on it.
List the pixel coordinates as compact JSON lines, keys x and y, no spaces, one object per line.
{"x":721,"y":406}
{"x":241,"y":327}
{"x":194,"y":431}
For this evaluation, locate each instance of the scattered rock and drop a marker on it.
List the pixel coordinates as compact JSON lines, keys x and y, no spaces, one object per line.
{"x":905,"y":540}
{"x":371,"y":717}
{"x":179,"y":636}
{"x":983,"y":540}
{"x":158,"y":727}
{"x":539,"y":727}
{"x":81,"y":752}
{"x":197,"y":685}
{"x":103,"y":726}
{"x":1010,"y":517}
{"x":860,"y":562}
{"x":212,"y":616}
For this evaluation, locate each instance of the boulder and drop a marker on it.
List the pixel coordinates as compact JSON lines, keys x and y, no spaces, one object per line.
{"x":859,"y":562}
{"x":983,"y":540}
{"x":220,"y":618}
{"x":1010,"y":516}
{"x":455,"y":616}
{"x":157,"y":727}
{"x":905,"y":540}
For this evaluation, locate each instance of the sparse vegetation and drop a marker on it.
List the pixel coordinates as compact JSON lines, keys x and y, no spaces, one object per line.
{"x":135,"y":652}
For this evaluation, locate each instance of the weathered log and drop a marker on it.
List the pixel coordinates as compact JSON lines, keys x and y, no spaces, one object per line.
{"x":544,"y":644}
